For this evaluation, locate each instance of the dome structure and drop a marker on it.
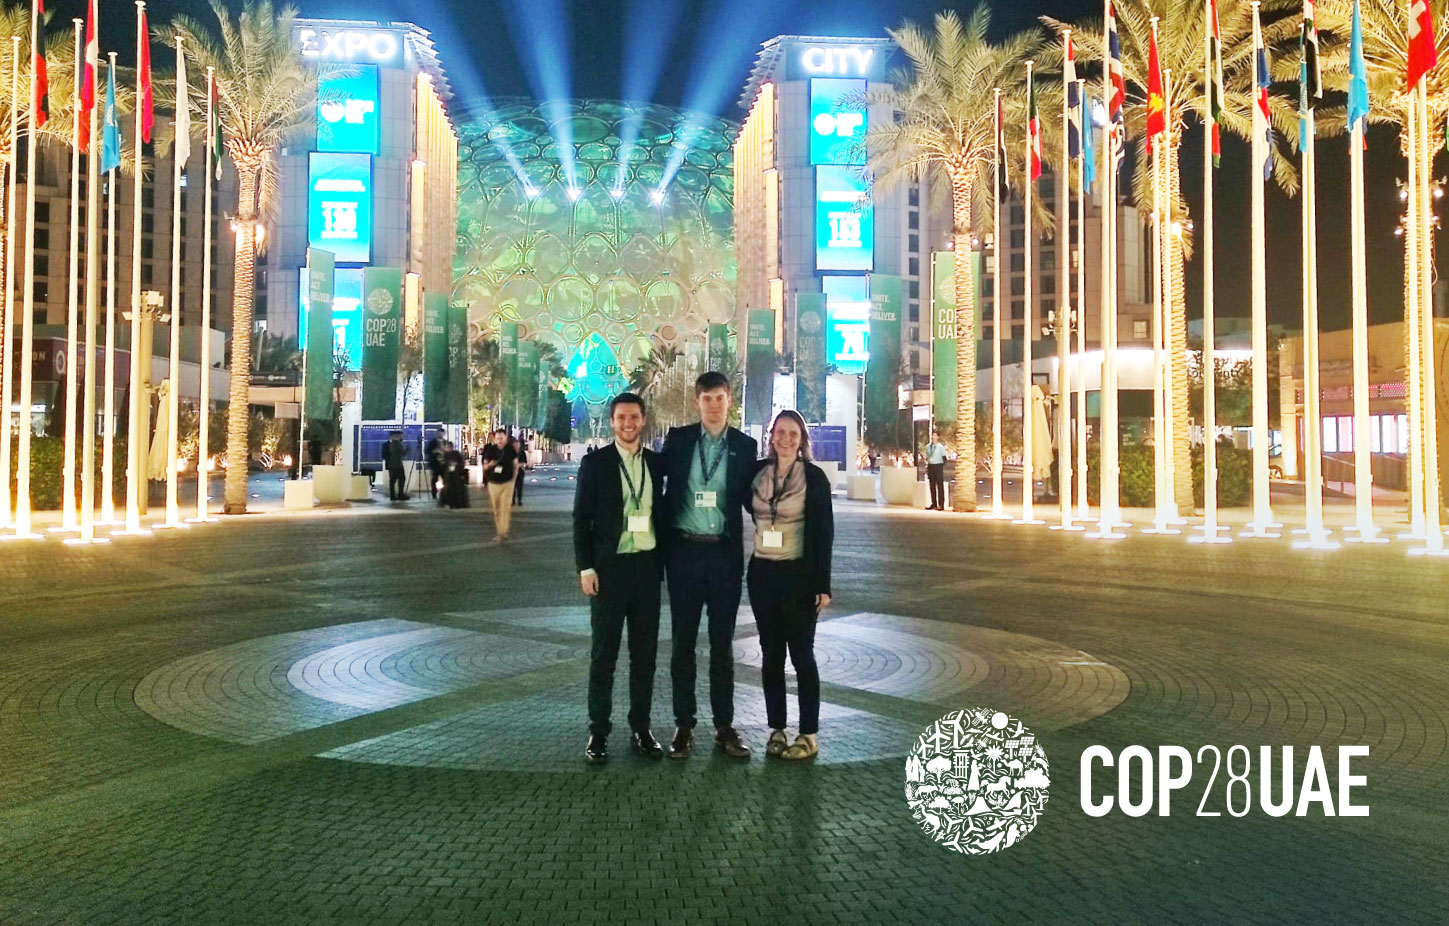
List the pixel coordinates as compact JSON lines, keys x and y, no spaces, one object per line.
{"x":606,"y":266}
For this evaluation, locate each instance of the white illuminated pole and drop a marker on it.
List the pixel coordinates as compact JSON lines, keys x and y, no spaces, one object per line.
{"x":173,"y":395}
{"x":138,"y":418}
{"x":1433,"y":530}
{"x":93,"y":266}
{"x":108,"y":412}
{"x":1169,"y":361}
{"x":998,"y":510}
{"x":72,"y":311}
{"x":27,"y":321}
{"x":1083,"y":510}
{"x":204,"y":420}
{"x":1365,"y":531}
{"x":8,"y":376}
{"x":1262,"y":524}
{"x":1211,"y":531}
{"x":1063,"y":320}
{"x":1317,"y":536}
{"x":1159,"y":434}
{"x":1412,"y":232}
{"x":1109,"y":512}
{"x":1028,"y":481}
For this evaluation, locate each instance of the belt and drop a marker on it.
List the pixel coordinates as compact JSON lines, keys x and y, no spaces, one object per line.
{"x":701,"y":538}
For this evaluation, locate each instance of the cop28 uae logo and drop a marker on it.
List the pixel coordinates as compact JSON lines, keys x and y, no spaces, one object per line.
{"x":976,"y":781}
{"x":379,"y":301}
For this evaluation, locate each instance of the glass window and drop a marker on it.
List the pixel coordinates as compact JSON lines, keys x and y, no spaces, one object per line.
{"x":915,"y":195}
{"x":915,"y":219}
{"x":914,"y":288}
{"x":915,"y":267}
{"x":1018,"y":286}
{"x":1345,"y":433}
{"x":915,"y":244}
{"x":1330,"y":435}
{"x":1403,"y":435}
{"x":1018,"y":310}
{"x":1376,"y":434}
{"x":42,"y":212}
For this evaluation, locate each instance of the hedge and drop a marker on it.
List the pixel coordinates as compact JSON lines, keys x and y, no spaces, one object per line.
{"x":46,"y":456}
{"x":1135,"y":480}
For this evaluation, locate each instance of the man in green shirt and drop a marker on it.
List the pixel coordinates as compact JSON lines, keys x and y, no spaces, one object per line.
{"x":936,"y":471}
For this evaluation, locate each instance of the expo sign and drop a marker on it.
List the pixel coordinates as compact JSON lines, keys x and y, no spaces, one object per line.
{"x":377,"y":45}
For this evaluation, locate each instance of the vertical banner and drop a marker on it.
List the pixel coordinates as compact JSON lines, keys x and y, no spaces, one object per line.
{"x":435,"y":357}
{"x":759,"y":366}
{"x":457,"y":406}
{"x":719,"y":350}
{"x":883,"y":370}
{"x":527,"y":389}
{"x":508,"y":353}
{"x":540,"y":417}
{"x":943,"y":333}
{"x":381,"y":341}
{"x":320,"y":268}
{"x":810,"y":356}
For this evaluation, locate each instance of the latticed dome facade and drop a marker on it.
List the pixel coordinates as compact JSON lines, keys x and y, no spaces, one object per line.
{"x":615,"y":270}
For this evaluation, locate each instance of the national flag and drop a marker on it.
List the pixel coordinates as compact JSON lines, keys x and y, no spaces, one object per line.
{"x":183,"y":112}
{"x":146,"y":113}
{"x":1358,"y":95}
{"x":1004,"y":187}
{"x":1262,"y":80}
{"x":1308,"y":43}
{"x":88,"y":79}
{"x":1073,"y":102}
{"x":110,"y":129}
{"x":1423,"y":53}
{"x":1089,"y":159}
{"x":1116,"y":90}
{"x":39,"y":79}
{"x":1033,"y":134}
{"x":213,"y":112}
{"x":1216,"y":96}
{"x":1156,"y":103}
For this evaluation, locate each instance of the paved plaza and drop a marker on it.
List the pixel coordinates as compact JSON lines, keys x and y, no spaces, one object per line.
{"x":377,"y":715}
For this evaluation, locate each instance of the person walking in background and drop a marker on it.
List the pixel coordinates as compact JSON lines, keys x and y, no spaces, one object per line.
{"x":789,"y":576}
{"x":433,"y":457}
{"x":618,"y":505}
{"x":709,"y":466}
{"x":394,"y":460}
{"x":936,"y":471}
{"x":520,"y":450}
{"x":455,"y":476}
{"x":499,"y":469}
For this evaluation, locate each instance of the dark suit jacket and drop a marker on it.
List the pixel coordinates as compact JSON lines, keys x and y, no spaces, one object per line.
{"x":819,"y":524}
{"x":394,"y":453}
{"x":599,"y":507}
{"x":679,"y":451}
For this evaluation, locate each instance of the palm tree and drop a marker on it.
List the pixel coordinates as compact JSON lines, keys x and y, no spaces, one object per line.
{"x":1180,"y":42}
{"x":266,"y":95}
{"x":945,"y":103}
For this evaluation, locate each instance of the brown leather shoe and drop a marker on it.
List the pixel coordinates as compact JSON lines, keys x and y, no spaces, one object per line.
{"x":728,"y":740}
{"x":683,"y":743}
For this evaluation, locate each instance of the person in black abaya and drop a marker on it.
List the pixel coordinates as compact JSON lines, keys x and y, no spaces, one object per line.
{"x":455,"y":477}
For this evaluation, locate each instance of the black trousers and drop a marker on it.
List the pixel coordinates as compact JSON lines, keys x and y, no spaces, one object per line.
{"x":936,"y":473}
{"x":704,"y":577}
{"x":397,"y":483}
{"x":518,"y":487}
{"x":628,"y":594}
{"x":785,"y":614}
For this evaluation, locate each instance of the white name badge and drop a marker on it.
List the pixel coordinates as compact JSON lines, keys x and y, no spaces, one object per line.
{"x":705,"y":500}
{"x":498,"y":469}
{"x":639,"y":524}
{"x":772,"y":540}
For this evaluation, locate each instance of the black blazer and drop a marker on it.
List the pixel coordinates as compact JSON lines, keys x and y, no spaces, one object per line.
{"x":599,"y":506}
{"x":679,"y":450}
{"x":819,"y":523}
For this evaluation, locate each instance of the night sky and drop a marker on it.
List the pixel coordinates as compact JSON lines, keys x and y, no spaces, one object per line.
{"x":702,"y":51}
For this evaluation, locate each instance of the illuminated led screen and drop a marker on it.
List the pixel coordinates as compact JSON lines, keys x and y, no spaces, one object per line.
{"x":835,"y":129}
{"x":347,"y":112}
{"x":844,"y":220}
{"x":346,"y":314}
{"x":339,"y":205}
{"x":847,"y":327}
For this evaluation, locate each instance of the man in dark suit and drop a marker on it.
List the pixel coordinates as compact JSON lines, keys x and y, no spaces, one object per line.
{"x":708,"y":466}
{"x":394,"y":460}
{"x":618,"y":510}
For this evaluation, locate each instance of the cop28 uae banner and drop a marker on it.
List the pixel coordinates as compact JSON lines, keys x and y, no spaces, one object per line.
{"x":318,"y":357}
{"x":718,"y":352}
{"x":381,"y":341}
{"x":508,"y":353}
{"x":810,"y":356}
{"x":882,"y":371}
{"x":457,"y":412}
{"x":527,"y":387}
{"x":759,"y":365}
{"x":435,"y":357}
{"x":943,"y":334}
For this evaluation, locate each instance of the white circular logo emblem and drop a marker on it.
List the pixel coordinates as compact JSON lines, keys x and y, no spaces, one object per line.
{"x":810,"y":322}
{"x":379,"y":301}
{"x":976,"y":781}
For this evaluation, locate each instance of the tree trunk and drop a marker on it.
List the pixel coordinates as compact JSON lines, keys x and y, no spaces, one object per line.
{"x":963,"y":490}
{"x":1177,"y":346}
{"x":243,"y":294}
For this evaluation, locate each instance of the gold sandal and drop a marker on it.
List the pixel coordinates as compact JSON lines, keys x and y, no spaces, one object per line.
{"x":804,"y":747}
{"x":777,"y":744}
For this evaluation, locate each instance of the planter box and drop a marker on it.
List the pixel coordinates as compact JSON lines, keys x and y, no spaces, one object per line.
{"x":898,"y":484}
{"x":359,"y":489}
{"x":831,"y":470}
{"x":329,"y":484}
{"x":861,"y":488}
{"x":297,"y":494}
{"x":923,"y":495}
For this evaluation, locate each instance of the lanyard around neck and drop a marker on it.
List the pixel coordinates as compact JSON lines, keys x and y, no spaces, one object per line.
{"x":778,"y":486}
{"x":634,"y":494}
{"x":706,"y":469}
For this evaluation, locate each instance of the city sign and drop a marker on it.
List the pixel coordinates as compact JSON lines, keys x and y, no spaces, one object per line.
{"x":347,"y":116}
{"x":837,"y":60}
{"x":847,"y":326}
{"x":380,"y":46}
{"x":844,"y":219}
{"x":339,"y":205}
{"x":836,"y":129}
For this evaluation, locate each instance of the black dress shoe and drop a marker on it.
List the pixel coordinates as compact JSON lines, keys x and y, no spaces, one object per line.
{"x":646,"y":745}
{"x":597,"y":752}
{"x":728,"y":740}
{"x":683,"y":743}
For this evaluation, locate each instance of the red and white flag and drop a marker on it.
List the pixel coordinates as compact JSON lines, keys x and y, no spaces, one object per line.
{"x":39,"y":78}
{"x":1423,"y":53}
{"x":88,"y":78}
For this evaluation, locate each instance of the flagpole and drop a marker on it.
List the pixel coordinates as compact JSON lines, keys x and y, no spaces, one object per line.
{"x":1083,"y":509}
{"x":1433,"y":531}
{"x":1159,"y":435}
{"x":138,"y":419}
{"x":1364,"y":527}
{"x":1028,"y":471}
{"x":108,"y":414}
{"x":27,"y":320}
{"x":1317,"y":536}
{"x":998,"y":510}
{"x":93,"y":244}
{"x":1211,"y":532}
{"x":1170,"y":349}
{"x":72,"y":311}
{"x":1262,"y":523}
{"x":204,"y":402}
{"x":1063,"y":327}
{"x":8,"y":376}
{"x":1412,"y":339}
{"x":1109,"y":513}
{"x":173,"y":394}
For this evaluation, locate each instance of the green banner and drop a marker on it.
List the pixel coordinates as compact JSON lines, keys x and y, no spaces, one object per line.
{"x":457,"y":406}
{"x":943,"y":334}
{"x":759,"y":366}
{"x":527,"y":390}
{"x":810,"y":356}
{"x":718,"y":354}
{"x":540,"y":419}
{"x":883,"y":370}
{"x":320,"y":267}
{"x":435,"y":357}
{"x":508,"y":353}
{"x":381,"y":341}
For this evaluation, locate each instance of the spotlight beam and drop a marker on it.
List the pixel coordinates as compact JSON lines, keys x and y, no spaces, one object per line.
{"x":541,"y":33}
